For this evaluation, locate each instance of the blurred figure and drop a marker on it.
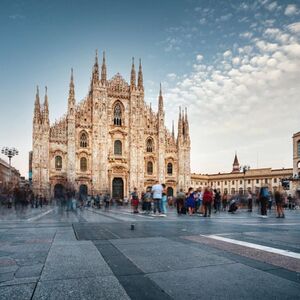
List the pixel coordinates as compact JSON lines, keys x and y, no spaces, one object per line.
{"x":180,"y":201}
{"x":147,"y":198}
{"x":217,"y":201}
{"x":164,"y":201}
{"x":190,"y":201}
{"x":207,"y":201}
{"x":135,"y":201}
{"x":279,"y":204}
{"x":224,"y":200}
{"x":250,"y":201}
{"x":263,"y":199}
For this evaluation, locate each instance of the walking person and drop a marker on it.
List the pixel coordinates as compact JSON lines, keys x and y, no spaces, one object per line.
{"x":135,"y":201}
{"x":147,"y":199}
{"x":217,"y":201}
{"x":263,"y":198}
{"x":224,"y":200}
{"x":190,"y":201}
{"x":157,"y":190}
{"x":180,"y":201}
{"x":207,"y":200}
{"x":279,"y":204}
{"x":250,"y":201}
{"x":164,"y":201}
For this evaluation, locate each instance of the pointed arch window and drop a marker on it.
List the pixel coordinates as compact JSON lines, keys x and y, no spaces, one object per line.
{"x":84,"y":141}
{"x":118,"y":147}
{"x":83,"y":164}
{"x":150,"y":168}
{"x":149,"y":145}
{"x":298,"y":148}
{"x":58,"y":162}
{"x":118,"y":115}
{"x":169,"y":169}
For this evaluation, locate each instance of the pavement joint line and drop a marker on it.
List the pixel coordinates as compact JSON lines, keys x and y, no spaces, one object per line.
{"x":254,"y":246}
{"x":40,"y":215}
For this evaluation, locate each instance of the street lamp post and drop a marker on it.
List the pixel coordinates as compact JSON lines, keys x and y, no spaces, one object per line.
{"x":10,"y":153}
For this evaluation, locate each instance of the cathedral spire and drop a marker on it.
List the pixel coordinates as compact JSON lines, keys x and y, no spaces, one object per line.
{"x":173,"y":131}
{"x":140,"y":77}
{"x":186,"y":124}
{"x":160,"y":100}
{"x":46,"y":108}
{"x":133,"y":75}
{"x":95,"y":76}
{"x":71,"y":100}
{"x":103,"y":70}
{"x":180,"y":125}
{"x":37,"y":106}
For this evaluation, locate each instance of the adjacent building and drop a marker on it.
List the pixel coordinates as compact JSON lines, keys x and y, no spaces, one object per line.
{"x":9,"y":176}
{"x":238,"y":181}
{"x":110,"y":142}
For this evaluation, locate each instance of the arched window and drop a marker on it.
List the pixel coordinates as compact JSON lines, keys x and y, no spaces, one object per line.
{"x":83,"y":164}
{"x":118,"y":115}
{"x":149,"y":168}
{"x":149,"y":145}
{"x":84,"y":140}
{"x":169,"y":169}
{"x":118,"y":147}
{"x":298,"y":148}
{"x":58,"y":162}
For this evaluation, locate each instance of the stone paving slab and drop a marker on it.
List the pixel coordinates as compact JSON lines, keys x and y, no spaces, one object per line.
{"x":74,"y":260}
{"x":17,"y":292}
{"x":231,"y":281}
{"x":167,"y":255}
{"x":107,"y":287}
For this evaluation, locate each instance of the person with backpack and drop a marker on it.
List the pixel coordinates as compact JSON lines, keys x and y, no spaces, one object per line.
{"x":264,"y":198}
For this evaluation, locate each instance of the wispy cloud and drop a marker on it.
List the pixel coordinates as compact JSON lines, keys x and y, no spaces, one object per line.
{"x":291,"y":10}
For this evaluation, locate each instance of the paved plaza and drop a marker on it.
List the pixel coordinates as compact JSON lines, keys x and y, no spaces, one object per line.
{"x":51,"y":253}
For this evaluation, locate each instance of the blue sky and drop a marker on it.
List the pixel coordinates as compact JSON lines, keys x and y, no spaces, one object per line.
{"x":234,"y":64}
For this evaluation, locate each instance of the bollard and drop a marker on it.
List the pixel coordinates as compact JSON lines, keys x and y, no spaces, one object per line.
{"x":132,"y":226}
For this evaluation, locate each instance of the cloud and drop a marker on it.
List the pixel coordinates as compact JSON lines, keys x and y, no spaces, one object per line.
{"x":249,"y":101}
{"x":294,"y":28}
{"x":291,"y":10}
{"x":199,"y":57}
{"x":16,"y":17}
{"x":247,"y":35}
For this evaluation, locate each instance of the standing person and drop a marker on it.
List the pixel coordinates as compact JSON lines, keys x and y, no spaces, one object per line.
{"x":106,"y":201}
{"x":147,"y":199}
{"x":164,"y":201}
{"x":224,"y":200}
{"x":157,"y":190}
{"x":217,"y":201}
{"x":263,"y":198}
{"x":279,"y":204}
{"x":180,"y":201}
{"x":190,"y":201}
{"x":250,"y":201}
{"x":207,"y":200}
{"x":135,"y":201}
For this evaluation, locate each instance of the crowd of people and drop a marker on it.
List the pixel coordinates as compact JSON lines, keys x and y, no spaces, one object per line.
{"x":155,"y":200}
{"x":203,"y":202}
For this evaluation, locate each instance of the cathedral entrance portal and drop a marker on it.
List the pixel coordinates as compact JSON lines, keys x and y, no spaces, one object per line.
{"x":58,"y":191}
{"x":83,"y":191}
{"x":118,"y":188}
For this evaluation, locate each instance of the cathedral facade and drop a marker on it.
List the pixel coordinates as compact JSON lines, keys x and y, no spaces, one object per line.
{"x":110,"y":142}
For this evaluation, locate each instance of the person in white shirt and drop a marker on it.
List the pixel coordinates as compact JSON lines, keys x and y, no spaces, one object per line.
{"x":156,"y":191}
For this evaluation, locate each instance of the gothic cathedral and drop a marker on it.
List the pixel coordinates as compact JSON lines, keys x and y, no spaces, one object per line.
{"x":110,"y":142}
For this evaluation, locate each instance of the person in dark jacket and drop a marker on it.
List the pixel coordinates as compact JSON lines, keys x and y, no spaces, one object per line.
{"x":264,"y":198}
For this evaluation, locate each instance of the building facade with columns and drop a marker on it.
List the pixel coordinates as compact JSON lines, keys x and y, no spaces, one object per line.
{"x":238,"y":181}
{"x":110,"y":142}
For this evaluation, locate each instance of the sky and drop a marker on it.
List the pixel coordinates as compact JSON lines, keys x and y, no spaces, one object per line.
{"x":235,"y":65}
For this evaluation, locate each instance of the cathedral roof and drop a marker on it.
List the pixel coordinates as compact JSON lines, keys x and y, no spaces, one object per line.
{"x":117,"y":84}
